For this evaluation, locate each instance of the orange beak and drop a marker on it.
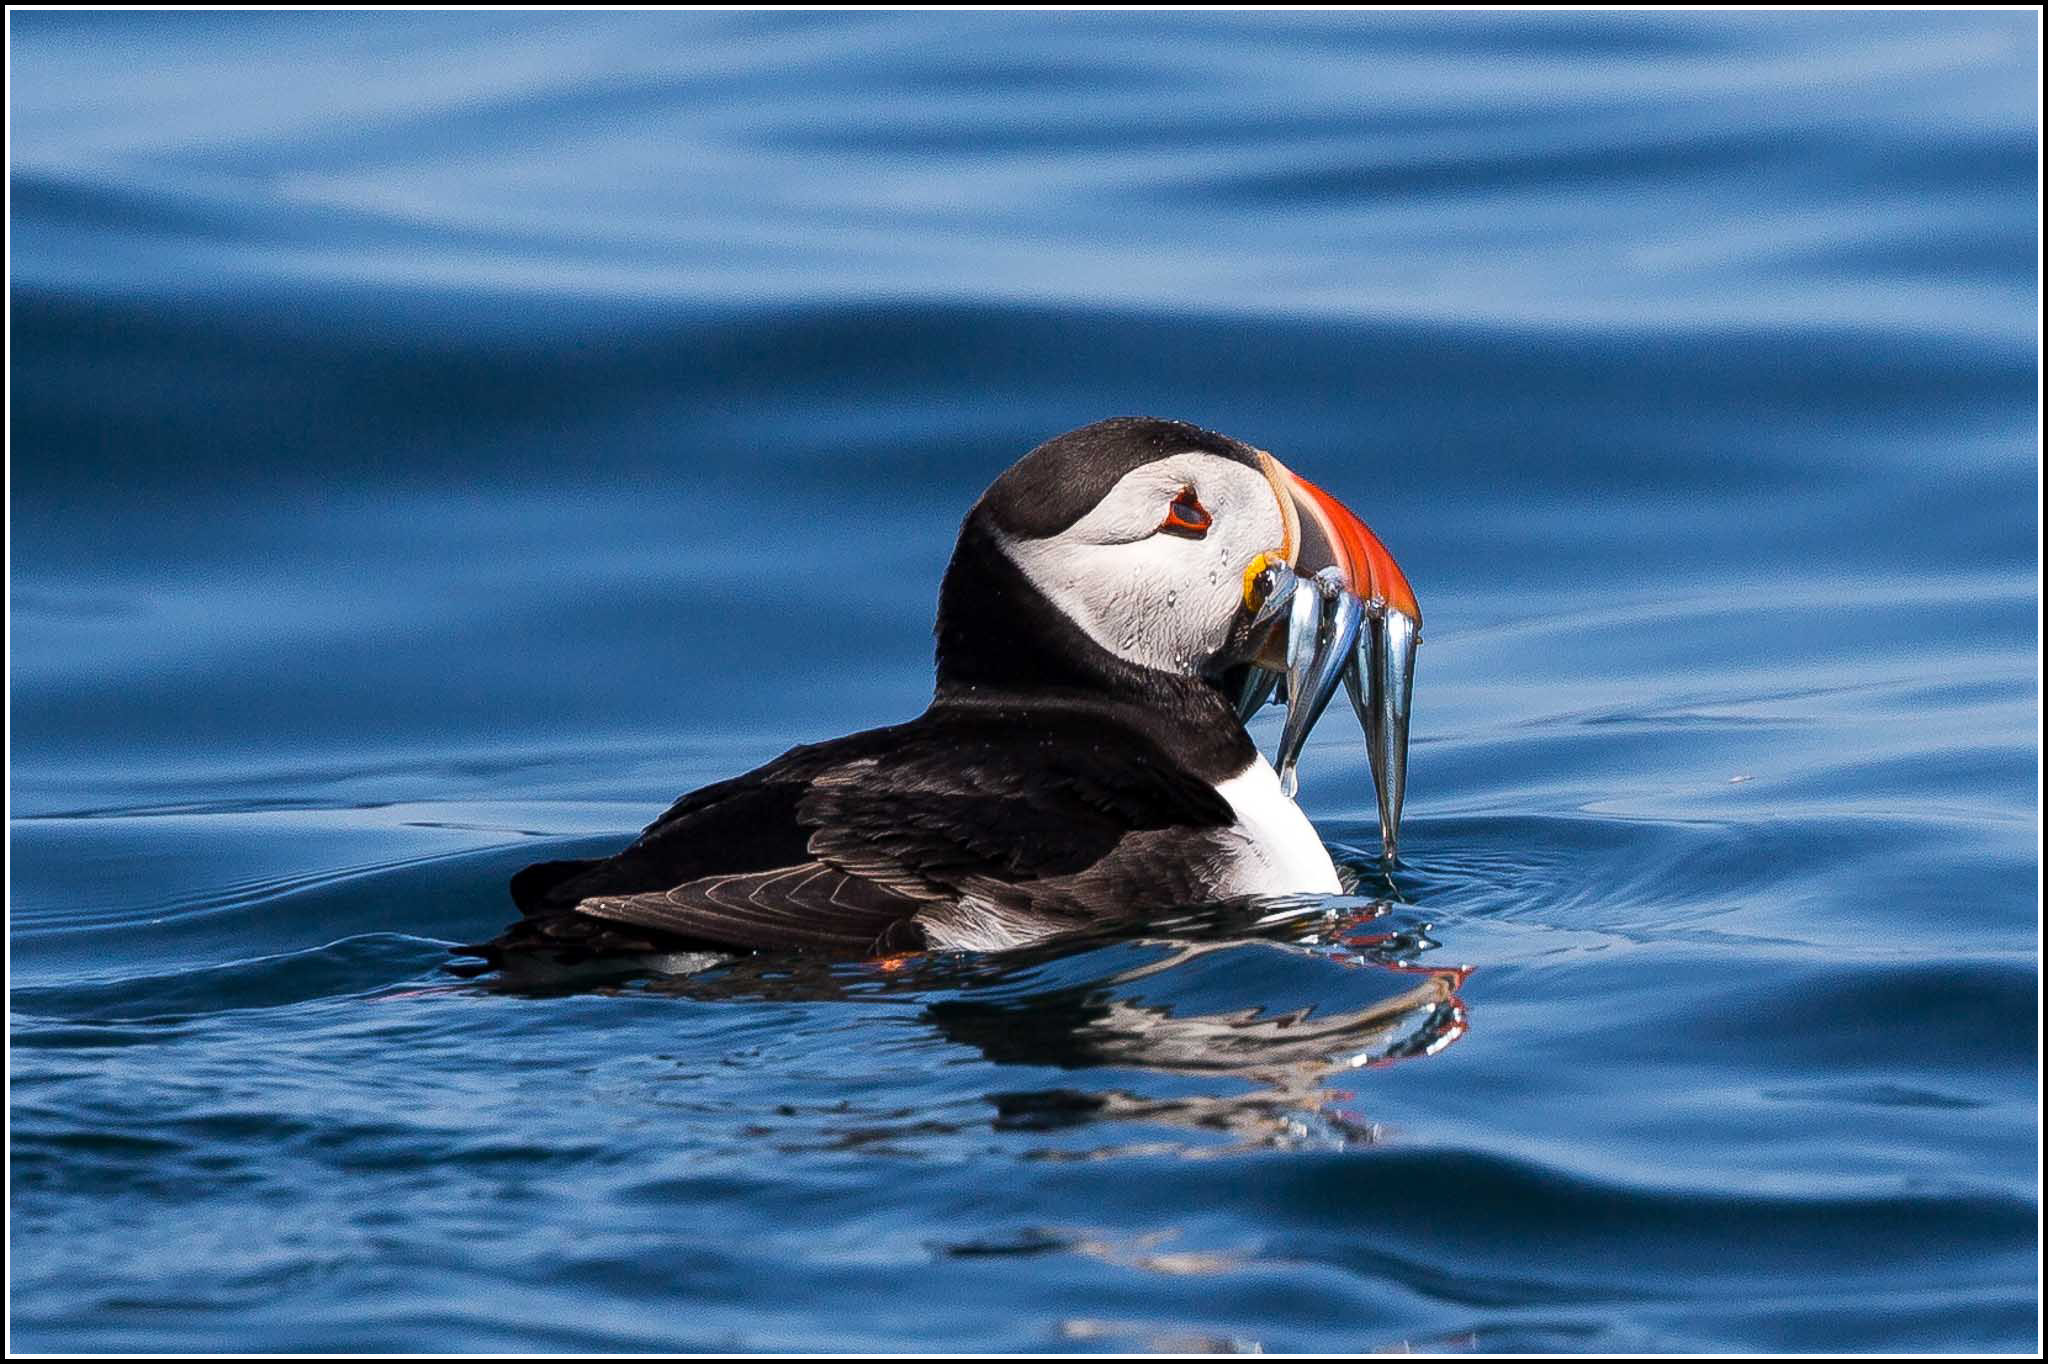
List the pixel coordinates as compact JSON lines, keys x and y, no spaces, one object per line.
{"x":1322,"y":532}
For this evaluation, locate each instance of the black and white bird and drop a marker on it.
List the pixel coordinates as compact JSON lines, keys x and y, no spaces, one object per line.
{"x":1082,"y":761}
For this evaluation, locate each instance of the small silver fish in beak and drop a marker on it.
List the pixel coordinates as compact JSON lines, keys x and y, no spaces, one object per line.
{"x":1348,"y":614}
{"x":1269,"y":588}
{"x":1386,"y":654}
{"x":1321,"y":648}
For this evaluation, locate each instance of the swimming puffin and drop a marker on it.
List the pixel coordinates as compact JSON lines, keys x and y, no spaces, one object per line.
{"x":1082,"y":759}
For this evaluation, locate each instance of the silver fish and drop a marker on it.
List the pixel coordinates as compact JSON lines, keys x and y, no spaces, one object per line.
{"x":1258,"y":690}
{"x":1318,"y":655}
{"x":1331,"y":633}
{"x":1275,"y":587}
{"x":1381,"y":681}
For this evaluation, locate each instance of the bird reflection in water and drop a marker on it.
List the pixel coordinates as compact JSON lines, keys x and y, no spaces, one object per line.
{"x":1383,"y":1008}
{"x":1285,"y":998}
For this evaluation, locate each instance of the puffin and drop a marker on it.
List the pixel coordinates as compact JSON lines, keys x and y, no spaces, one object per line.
{"x":1083,"y":761}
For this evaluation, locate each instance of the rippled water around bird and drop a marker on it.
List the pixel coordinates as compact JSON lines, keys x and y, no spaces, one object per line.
{"x":439,"y":439}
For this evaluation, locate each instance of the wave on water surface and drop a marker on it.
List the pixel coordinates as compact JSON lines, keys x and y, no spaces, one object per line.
{"x":484,"y":427}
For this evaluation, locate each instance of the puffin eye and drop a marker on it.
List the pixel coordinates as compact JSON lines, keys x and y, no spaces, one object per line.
{"x":1186,"y":516}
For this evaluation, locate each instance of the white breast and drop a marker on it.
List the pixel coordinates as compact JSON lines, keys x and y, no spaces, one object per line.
{"x":1282,"y":853}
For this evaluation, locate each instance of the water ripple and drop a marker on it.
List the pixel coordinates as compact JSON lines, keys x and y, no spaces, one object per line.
{"x":484,"y":426}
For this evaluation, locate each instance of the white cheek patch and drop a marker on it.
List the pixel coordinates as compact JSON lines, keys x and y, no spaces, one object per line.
{"x":1159,"y":600}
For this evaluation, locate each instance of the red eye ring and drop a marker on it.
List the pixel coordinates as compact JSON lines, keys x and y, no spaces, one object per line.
{"x":1186,"y":516}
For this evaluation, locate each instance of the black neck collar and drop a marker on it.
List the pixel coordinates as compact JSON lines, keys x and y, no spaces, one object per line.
{"x":1001,"y":642}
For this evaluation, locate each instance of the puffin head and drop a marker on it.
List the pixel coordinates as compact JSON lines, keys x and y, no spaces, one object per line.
{"x":1146,"y":544}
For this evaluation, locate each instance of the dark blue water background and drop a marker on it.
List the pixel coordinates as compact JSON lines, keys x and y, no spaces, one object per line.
{"x":439,"y":439}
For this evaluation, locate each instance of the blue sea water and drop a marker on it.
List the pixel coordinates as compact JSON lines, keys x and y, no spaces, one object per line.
{"x":438,"y":439}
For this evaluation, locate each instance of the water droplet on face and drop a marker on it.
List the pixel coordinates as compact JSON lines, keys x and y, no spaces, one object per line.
{"x":1172,"y":598}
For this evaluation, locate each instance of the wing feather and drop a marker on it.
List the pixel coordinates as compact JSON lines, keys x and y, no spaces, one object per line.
{"x":810,"y":905}
{"x":1008,"y":821}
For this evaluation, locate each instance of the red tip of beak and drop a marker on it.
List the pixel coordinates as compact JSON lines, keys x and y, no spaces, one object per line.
{"x":1358,"y":553}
